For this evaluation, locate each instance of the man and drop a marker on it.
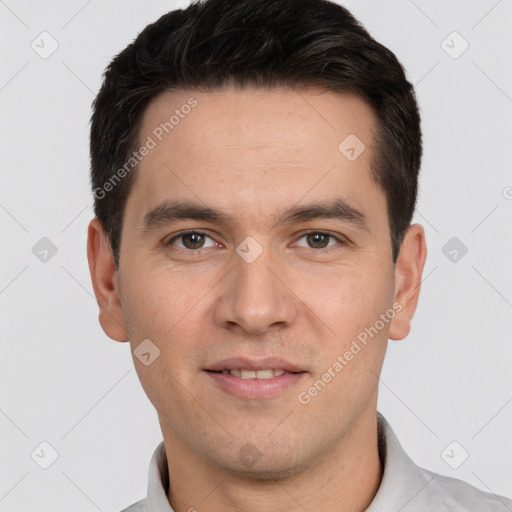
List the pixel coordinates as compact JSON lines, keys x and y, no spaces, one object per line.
{"x":255,"y":167}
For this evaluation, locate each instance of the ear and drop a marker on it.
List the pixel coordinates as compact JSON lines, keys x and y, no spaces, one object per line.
{"x":408,"y":273}
{"x":105,"y":282}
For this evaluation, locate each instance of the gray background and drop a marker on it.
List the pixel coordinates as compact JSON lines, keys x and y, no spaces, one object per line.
{"x":64,"y":382}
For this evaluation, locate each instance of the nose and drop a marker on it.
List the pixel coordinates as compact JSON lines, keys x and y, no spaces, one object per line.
{"x":255,"y":297}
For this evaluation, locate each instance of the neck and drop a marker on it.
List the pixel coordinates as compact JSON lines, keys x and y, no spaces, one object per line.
{"x":345,"y":479}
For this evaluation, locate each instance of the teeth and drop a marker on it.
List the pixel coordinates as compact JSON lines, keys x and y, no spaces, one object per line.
{"x":252,"y":374}
{"x":264,"y":374}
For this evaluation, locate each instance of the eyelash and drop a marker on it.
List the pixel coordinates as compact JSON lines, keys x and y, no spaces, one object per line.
{"x":339,"y":239}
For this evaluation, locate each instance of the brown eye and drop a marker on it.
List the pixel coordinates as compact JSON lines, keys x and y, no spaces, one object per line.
{"x":191,"y":240}
{"x":318,"y":240}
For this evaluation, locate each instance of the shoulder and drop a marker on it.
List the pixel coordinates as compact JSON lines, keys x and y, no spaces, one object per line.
{"x":140,"y":506}
{"x":408,"y":487}
{"x":459,"y":495}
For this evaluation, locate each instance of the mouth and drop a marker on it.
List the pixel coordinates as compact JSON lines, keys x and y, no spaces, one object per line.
{"x":253,"y":374}
{"x":254,"y":379}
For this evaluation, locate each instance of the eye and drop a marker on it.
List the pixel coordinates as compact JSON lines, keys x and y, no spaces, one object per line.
{"x":191,"y":240}
{"x":319,"y":240}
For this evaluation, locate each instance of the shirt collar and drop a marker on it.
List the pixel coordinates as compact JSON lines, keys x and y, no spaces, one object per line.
{"x":404,"y":485}
{"x":158,"y":482}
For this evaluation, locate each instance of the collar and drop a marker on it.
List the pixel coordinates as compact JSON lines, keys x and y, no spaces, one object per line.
{"x":404,"y":487}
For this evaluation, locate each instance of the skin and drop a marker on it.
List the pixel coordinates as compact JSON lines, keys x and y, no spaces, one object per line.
{"x":252,"y":153}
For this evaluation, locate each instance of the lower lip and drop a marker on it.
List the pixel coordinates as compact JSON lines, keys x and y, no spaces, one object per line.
{"x":255,"y":388}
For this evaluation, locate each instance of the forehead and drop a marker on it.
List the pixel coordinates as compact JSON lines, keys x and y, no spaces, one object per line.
{"x":256,"y":147}
{"x":225,"y":118}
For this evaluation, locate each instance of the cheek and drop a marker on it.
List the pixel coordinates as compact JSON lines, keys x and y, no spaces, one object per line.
{"x":156,"y":300}
{"x":164,"y":307}
{"x":350,"y":304}
{"x":154,"y":312}
{"x":348,"y":299}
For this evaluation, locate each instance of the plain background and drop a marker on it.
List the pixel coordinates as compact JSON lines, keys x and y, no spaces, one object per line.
{"x":64,"y":382}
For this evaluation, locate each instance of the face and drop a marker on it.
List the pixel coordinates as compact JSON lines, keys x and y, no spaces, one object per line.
{"x":255,"y":256}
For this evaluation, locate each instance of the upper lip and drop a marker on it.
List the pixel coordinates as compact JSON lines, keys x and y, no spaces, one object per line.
{"x":244,"y":363}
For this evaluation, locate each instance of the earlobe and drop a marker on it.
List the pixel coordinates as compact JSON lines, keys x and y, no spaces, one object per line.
{"x":105,"y":282}
{"x":408,"y":274}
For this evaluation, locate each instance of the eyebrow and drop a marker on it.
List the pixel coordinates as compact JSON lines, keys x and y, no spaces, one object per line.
{"x":171,"y":211}
{"x":336,"y":209}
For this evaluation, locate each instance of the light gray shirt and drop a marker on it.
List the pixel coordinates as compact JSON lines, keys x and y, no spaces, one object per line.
{"x":405,"y":487}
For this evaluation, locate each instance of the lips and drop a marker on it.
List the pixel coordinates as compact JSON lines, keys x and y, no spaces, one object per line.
{"x":255,"y":379}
